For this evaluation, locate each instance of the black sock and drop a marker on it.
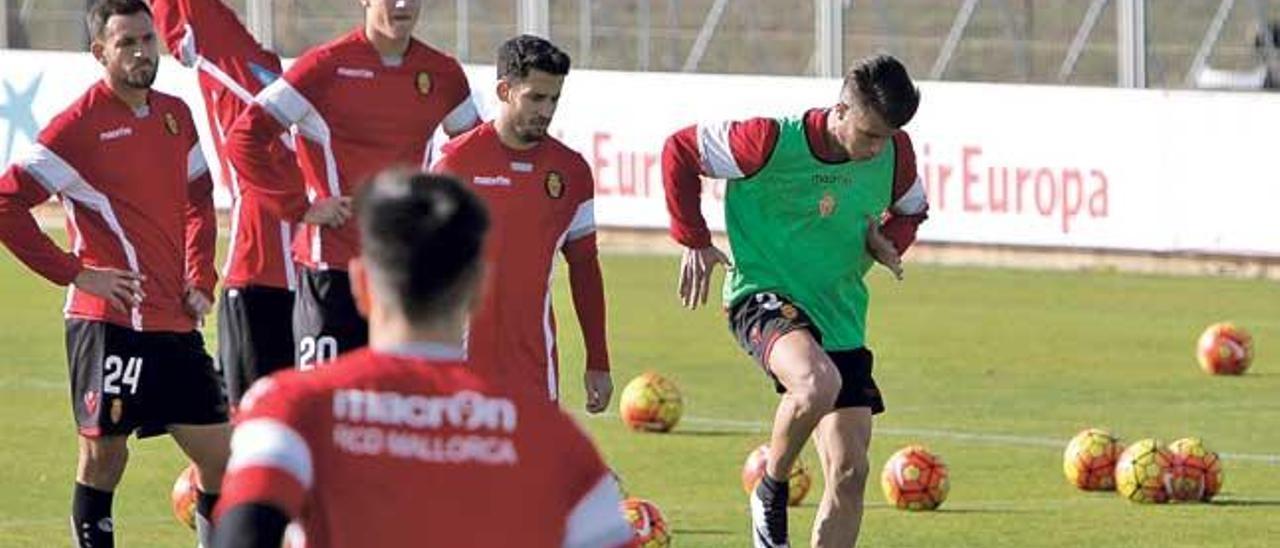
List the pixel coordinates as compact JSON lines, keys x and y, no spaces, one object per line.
{"x":91,"y":518}
{"x":205,"y":502}
{"x":773,"y":488}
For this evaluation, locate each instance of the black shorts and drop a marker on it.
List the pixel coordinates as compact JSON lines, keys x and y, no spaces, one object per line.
{"x":255,"y":335}
{"x":124,"y":380}
{"x":325,"y":320}
{"x":759,"y":320}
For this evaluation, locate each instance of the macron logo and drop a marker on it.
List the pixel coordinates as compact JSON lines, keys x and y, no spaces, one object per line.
{"x":114,"y":134}
{"x":492,"y":181}
{"x":355,"y":73}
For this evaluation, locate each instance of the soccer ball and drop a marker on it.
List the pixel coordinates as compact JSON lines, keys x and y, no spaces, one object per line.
{"x":651,"y":403}
{"x":184,"y":496}
{"x":1196,"y":472}
{"x":647,"y":521}
{"x":1090,"y":460}
{"x":915,"y":479}
{"x":1142,"y":472}
{"x":1225,"y":349}
{"x":798,"y":483}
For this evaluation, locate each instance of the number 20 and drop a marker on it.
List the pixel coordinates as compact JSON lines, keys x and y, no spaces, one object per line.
{"x":314,"y":351}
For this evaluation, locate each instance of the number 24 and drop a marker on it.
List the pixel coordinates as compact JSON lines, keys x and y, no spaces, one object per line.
{"x":119,"y":371}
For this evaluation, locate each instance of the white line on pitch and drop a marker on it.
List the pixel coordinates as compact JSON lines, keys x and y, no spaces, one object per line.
{"x":980,"y":437}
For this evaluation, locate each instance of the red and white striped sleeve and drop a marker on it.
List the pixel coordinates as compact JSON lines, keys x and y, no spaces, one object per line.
{"x":280,"y":105}
{"x":908,"y":205}
{"x":720,"y":150}
{"x":202,"y":224}
{"x":463,"y":116}
{"x":585,"y":278}
{"x":595,"y":516}
{"x":596,"y":520}
{"x":32,"y":179}
{"x":271,"y":461}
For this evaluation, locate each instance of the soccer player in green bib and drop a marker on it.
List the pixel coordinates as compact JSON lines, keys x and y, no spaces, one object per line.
{"x":811,"y":202}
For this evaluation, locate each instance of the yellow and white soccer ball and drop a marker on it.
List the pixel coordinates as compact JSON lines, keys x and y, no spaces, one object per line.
{"x":798,"y":482}
{"x":1195,"y":473}
{"x":651,"y":403}
{"x":1089,"y":461}
{"x":1143,"y":472}
{"x":648,"y":523}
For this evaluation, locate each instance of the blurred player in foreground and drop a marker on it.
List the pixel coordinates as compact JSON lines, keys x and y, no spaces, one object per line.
{"x":401,"y":443}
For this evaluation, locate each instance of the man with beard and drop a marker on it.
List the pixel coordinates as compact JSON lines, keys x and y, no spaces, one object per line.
{"x":366,"y":101}
{"x":126,"y":164}
{"x":541,"y":194}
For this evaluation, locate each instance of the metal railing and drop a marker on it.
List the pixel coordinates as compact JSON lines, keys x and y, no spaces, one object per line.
{"x":1138,"y":43}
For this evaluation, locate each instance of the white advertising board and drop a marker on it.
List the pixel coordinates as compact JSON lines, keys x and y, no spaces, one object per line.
{"x":1070,"y":167}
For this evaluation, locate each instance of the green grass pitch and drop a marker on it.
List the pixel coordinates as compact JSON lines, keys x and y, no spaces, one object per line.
{"x":992,"y":369}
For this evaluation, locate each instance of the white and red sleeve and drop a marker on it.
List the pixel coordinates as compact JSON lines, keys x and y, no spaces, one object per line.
{"x":280,"y":105}
{"x":202,"y":224}
{"x":594,"y":518}
{"x":463,"y":116}
{"x":32,"y":179}
{"x":908,"y":204}
{"x":721,"y":150}
{"x":586,"y":281}
{"x":271,"y":461}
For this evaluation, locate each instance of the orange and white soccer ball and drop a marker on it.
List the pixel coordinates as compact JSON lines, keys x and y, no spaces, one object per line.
{"x":1195,"y":472}
{"x":1225,"y":349}
{"x":798,"y":483}
{"x":1090,"y":460}
{"x":184,"y":494}
{"x":915,"y":479}
{"x":647,"y":521}
{"x":651,"y":403}
{"x":1142,"y":472}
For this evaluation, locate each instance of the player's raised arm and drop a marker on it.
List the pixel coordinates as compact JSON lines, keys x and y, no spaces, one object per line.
{"x":205,"y":29}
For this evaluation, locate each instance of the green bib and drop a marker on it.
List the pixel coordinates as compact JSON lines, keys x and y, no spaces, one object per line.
{"x":798,"y":228}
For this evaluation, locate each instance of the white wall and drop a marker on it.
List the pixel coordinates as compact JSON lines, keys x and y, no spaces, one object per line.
{"x":1004,"y":164}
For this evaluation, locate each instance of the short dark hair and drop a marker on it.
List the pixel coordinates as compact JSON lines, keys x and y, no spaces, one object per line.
{"x":519,"y":55}
{"x":881,"y":83}
{"x":422,"y":237}
{"x":102,"y":10}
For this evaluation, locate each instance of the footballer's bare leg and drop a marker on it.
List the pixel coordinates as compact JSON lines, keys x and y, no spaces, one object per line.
{"x":209,"y":447}
{"x":842,"y":438}
{"x":102,"y":461}
{"x":812,"y":382}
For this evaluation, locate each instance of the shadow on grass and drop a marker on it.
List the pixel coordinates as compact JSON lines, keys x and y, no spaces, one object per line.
{"x":1245,"y":502}
{"x":704,"y":532}
{"x":710,"y":433}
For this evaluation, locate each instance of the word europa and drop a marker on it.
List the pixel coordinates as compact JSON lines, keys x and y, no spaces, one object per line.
{"x":1064,"y":194}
